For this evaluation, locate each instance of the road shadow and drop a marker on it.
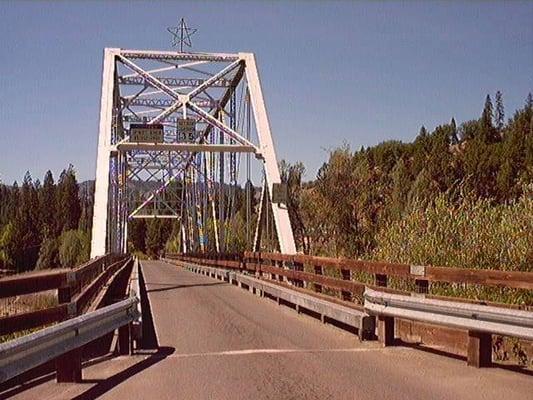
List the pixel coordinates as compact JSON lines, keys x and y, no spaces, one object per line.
{"x":104,"y":385}
{"x":173,"y":287}
{"x":149,"y":337}
{"x":48,"y":376}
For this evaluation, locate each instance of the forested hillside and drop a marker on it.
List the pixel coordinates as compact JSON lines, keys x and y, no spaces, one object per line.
{"x":461,"y":195}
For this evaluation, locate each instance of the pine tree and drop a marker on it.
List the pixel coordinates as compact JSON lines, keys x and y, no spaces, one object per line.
{"x":487,"y":130}
{"x":487,"y":115}
{"x":47,"y":206}
{"x":454,"y":138}
{"x":27,"y":226}
{"x":499,"y":116}
{"x":137,"y":234}
{"x":154,"y":241}
{"x":529,"y":102}
{"x":69,"y":207}
{"x":14,"y":201}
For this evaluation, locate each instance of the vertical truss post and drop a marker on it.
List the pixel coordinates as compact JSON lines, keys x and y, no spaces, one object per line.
{"x":100,"y":217}
{"x":266,"y":145}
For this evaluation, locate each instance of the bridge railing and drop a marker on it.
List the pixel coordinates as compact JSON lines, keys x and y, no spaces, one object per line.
{"x":83,"y":314}
{"x":345,"y":281}
{"x":75,"y":288}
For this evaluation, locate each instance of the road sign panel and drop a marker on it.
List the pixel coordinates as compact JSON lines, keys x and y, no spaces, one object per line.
{"x":187,"y":129}
{"x":146,"y":133}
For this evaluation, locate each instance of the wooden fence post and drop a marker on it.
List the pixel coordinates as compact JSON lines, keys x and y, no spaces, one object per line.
{"x":318,"y":271}
{"x":347,"y":276}
{"x":422,"y":286}
{"x":298,"y":266}
{"x":381,"y":280}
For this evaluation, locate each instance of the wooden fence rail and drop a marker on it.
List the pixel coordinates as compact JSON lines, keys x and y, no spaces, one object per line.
{"x":75,"y":289}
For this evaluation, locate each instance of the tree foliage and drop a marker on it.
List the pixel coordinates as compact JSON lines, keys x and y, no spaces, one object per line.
{"x":34,"y":215}
{"x":357,"y":196}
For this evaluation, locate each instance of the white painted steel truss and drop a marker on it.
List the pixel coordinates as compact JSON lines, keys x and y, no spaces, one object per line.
{"x":180,"y":178}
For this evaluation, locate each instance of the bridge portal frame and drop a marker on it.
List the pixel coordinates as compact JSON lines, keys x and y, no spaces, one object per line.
{"x":110,"y":218}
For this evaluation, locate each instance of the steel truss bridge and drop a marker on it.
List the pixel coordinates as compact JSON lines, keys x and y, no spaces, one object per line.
{"x":179,"y":133}
{"x":190,"y":178}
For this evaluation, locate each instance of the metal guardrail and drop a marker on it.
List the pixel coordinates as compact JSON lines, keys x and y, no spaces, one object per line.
{"x":23,"y":354}
{"x":134,"y":289}
{"x":480,"y":318}
{"x":480,"y":321}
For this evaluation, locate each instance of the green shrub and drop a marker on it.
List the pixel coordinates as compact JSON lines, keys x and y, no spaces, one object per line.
{"x":468,"y":233}
{"x":49,"y":254}
{"x":74,"y":248}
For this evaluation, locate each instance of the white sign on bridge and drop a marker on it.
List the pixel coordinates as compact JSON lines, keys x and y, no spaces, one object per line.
{"x":187,"y":129}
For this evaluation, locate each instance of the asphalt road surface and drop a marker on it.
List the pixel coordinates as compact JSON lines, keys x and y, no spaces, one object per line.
{"x":217,"y":341}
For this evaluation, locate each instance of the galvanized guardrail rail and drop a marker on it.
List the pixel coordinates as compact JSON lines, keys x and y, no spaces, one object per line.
{"x":77,"y":318}
{"x":27,"y":352}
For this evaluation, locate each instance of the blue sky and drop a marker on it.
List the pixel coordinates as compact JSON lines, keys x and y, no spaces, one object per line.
{"x":332,"y":72}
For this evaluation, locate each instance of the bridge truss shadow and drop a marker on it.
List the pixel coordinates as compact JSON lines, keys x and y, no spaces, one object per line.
{"x":173,"y":287}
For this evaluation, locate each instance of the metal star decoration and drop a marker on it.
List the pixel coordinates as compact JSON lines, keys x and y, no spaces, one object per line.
{"x":181,"y":35}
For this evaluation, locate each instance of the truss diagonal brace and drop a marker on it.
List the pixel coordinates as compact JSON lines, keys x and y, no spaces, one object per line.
{"x":214,"y":78}
{"x":154,"y":81}
{"x":215,"y":122}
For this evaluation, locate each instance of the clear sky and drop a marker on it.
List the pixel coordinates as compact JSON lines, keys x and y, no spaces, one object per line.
{"x":332,"y":72}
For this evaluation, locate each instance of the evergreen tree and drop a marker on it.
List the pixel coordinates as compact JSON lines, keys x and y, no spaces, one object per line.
{"x":157,"y":234}
{"x":27,"y":233}
{"x":487,"y":115}
{"x":529,"y":102}
{"x":14,"y":201}
{"x":488,"y":133}
{"x":499,"y":116}
{"x":137,"y":235}
{"x":48,"y":206}
{"x":454,"y":138}
{"x":69,"y":208}
{"x":423,"y":190}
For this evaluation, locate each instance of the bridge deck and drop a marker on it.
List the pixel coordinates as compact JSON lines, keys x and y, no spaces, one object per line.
{"x":217,"y":341}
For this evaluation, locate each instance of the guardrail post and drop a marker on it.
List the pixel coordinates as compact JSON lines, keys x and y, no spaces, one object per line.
{"x":124,"y":340}
{"x":68,"y":366}
{"x":318,"y":271}
{"x":479,"y":352}
{"x":386,"y":330}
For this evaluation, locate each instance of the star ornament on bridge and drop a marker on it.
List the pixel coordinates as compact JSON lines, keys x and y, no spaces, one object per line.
{"x":181,"y":35}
